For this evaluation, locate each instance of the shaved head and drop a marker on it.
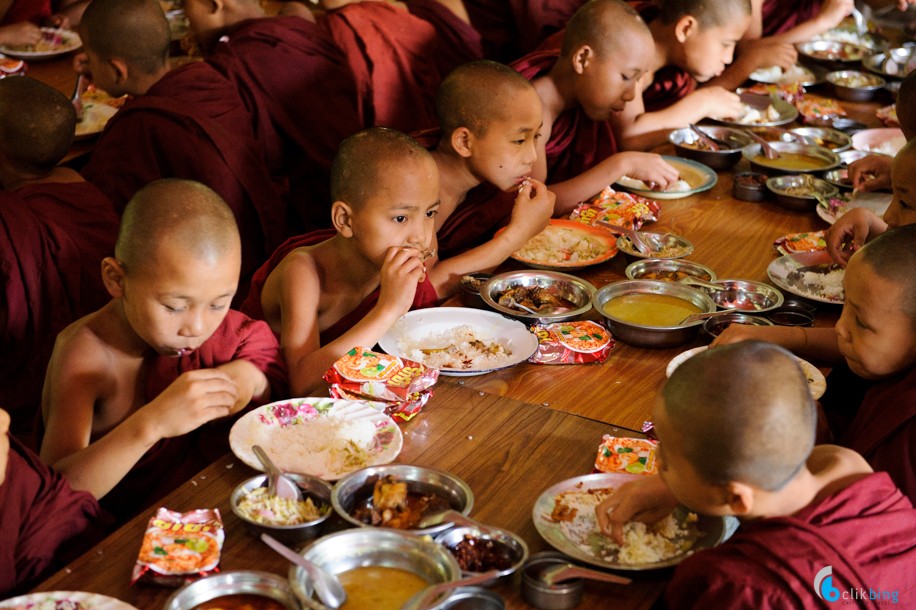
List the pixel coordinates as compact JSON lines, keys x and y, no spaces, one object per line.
{"x":742,"y":413}
{"x":133,"y":30}
{"x":709,"y":13}
{"x":602,"y":25}
{"x":370,"y":158}
{"x":892,"y":256}
{"x":477,"y":94}
{"x":37,"y":124}
{"x":180,"y":216}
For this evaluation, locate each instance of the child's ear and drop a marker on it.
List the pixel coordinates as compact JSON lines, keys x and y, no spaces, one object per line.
{"x":462,"y":140}
{"x":685,"y":27}
{"x":121,"y":69}
{"x":216,"y":6}
{"x":740,"y":498}
{"x":582,"y":58}
{"x":113,"y":276}
{"x":342,"y":218}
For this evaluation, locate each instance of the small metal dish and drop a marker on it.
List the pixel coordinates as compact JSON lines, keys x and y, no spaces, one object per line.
{"x":291,"y":535}
{"x":745,"y":295}
{"x":834,"y":139}
{"x":857,"y":91}
{"x":793,"y":313}
{"x":784,"y":188}
{"x":839,"y":178}
{"x":891,"y":63}
{"x":677,"y":246}
{"x":559,"y":596}
{"x":668,"y":270}
{"x":261,"y":584}
{"x":569,"y":287}
{"x":851,"y":156}
{"x":714,"y":326}
{"x":794,"y":158}
{"x":469,"y":289}
{"x":750,"y":186}
{"x":685,"y":145}
{"x":514,"y":545}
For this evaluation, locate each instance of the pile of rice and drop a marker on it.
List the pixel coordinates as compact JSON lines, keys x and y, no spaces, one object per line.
{"x":642,"y":544}
{"x":561,"y":245}
{"x":319,"y":446}
{"x":828,"y":285}
{"x":678,"y":187}
{"x":456,"y":348}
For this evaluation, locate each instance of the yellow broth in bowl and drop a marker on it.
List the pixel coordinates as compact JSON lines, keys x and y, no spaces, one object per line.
{"x":793,"y":161}
{"x":648,"y":309}
{"x":379,"y":587}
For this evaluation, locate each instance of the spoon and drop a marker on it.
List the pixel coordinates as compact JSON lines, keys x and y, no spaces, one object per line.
{"x":768,"y":151}
{"x":714,"y":144}
{"x":451,"y":516}
{"x":635,"y":238}
{"x":512,"y":303}
{"x":429,"y":597}
{"x":568,"y":571}
{"x":696,"y":317}
{"x":77,"y":98}
{"x":277,"y":483}
{"x":859,"y":18}
{"x":327,"y":586}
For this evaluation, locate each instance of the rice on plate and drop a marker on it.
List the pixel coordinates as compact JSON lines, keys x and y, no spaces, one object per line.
{"x":460,"y":347}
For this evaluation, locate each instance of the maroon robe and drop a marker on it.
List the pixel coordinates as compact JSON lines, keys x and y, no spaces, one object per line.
{"x":511,"y":28}
{"x":780,"y":16}
{"x":53,"y":237}
{"x":392,"y":55}
{"x":35,"y":11}
{"x":458,"y":41}
{"x":172,"y":461}
{"x":670,"y":83}
{"x":866,"y":532}
{"x":424,"y":297}
{"x":194,"y":124}
{"x":43,"y":521}
{"x":303,"y":99}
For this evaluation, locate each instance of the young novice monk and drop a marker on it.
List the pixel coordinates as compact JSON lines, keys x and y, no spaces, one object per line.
{"x":606,"y":47}
{"x":326,"y":292}
{"x":736,"y":427}
{"x":694,"y":42}
{"x":871,"y":397}
{"x":55,"y":229}
{"x":130,"y":387}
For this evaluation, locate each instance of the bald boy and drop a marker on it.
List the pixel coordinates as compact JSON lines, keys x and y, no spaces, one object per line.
{"x":55,"y":229}
{"x":189,"y":123}
{"x":736,"y":426}
{"x":130,"y":387}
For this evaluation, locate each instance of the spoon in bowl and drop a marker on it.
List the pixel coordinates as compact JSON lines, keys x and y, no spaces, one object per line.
{"x":568,"y":571}
{"x":635,"y":238}
{"x":768,"y":151}
{"x":327,"y":585}
{"x":277,"y":483}
{"x":431,"y":596}
{"x":714,"y":144}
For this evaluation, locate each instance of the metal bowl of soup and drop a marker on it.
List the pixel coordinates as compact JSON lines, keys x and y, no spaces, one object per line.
{"x":793,"y":158}
{"x":650,"y":313}
{"x":555,"y":296}
{"x":800,"y":192}
{"x":688,"y":144}
{"x":235,"y":591}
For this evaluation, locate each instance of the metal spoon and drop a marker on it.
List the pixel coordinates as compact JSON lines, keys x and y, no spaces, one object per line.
{"x":451,"y":516}
{"x":635,"y":239}
{"x":714,"y":144}
{"x":696,"y":317}
{"x":430,"y":596}
{"x":568,"y":571}
{"x":77,"y":98}
{"x":327,"y":586}
{"x":768,"y":151}
{"x":277,"y":483}
{"x":859,"y":18}
{"x":512,"y":303}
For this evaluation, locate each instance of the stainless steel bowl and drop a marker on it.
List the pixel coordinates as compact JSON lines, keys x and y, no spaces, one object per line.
{"x":831,"y":52}
{"x":638,"y":270}
{"x":851,"y":156}
{"x":657,"y":241}
{"x":560,"y":596}
{"x":569,"y":287}
{"x":823,"y":158}
{"x":736,"y":139}
{"x":356,"y":487}
{"x":351,"y":549}
{"x":834,"y":139}
{"x":891,"y":63}
{"x":263,"y":584}
{"x":839,"y":178}
{"x":515,"y":544}
{"x":781,"y":187}
{"x":714,"y":326}
{"x":469,"y":289}
{"x":855,"y":93}
{"x":652,"y":336}
{"x":319,"y":491}
{"x":746,"y":295}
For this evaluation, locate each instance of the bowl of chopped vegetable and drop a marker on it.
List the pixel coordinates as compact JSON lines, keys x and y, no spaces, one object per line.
{"x":289,"y":521}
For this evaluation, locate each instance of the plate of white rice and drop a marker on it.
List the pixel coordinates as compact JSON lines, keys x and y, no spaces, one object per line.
{"x":323,"y":437}
{"x":459,"y":341}
{"x":564,"y":516}
{"x":812,"y":275}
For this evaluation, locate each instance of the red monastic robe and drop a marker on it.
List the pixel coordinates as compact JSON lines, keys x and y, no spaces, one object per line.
{"x":670,"y":83}
{"x":866,"y":532}
{"x":779,"y":16}
{"x":173,"y":461}
{"x":53,"y":237}
{"x":194,"y":124}
{"x":424,"y":297}
{"x":27,"y":10}
{"x":43,"y":521}
{"x":458,"y":41}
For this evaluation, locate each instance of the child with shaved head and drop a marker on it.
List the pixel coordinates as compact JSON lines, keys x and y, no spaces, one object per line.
{"x":736,"y":427}
{"x":55,"y":229}
{"x":328,"y":291}
{"x":131,"y":387}
{"x":584,"y":76}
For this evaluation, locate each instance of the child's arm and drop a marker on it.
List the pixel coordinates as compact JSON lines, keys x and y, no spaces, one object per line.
{"x":79,"y":378}
{"x":752,"y":55}
{"x":22,"y":33}
{"x":818,"y":344}
{"x":647,"y":500}
{"x":300,"y":292}
{"x":831,"y":14}
{"x":851,"y":231}
{"x":530,"y":214}
{"x":251,"y":383}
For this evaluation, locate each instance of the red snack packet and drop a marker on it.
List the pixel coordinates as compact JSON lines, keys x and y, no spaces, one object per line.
{"x":610,"y":207}
{"x":816,"y":107}
{"x":801,"y":242}
{"x":626,"y":455}
{"x":11,"y":67}
{"x":380,"y":376}
{"x":578,"y":342}
{"x":180,"y":547}
{"x":405,"y":410}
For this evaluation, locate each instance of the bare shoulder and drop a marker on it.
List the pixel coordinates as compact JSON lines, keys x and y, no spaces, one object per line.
{"x":82,"y":344}
{"x":836,"y":467}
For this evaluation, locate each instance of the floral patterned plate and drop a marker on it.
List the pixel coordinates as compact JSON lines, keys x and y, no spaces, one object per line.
{"x":65,"y":600}
{"x":322,"y":437}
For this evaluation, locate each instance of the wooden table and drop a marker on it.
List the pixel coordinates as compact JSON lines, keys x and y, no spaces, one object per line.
{"x":507,"y":451}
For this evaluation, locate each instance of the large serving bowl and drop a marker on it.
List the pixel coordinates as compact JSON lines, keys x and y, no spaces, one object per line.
{"x":794,"y":158}
{"x":686,"y":144}
{"x":350,"y":549}
{"x":643,"y":335}
{"x":668,"y":270}
{"x":577,"y":291}
{"x":356,"y":488}
{"x":316,"y":489}
{"x":800,"y":192}
{"x":514,"y":547}
{"x":855,"y":86}
{"x":261,"y":584}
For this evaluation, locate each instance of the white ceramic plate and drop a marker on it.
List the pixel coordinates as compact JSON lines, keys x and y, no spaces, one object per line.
{"x":415,"y":326}
{"x":817,"y":383}
{"x":323,"y":437}
{"x":876,"y":202}
{"x":700,"y":178}
{"x":710,"y":530}
{"x":784,"y":272}
{"x":66,"y":600}
{"x":68,"y":41}
{"x":95,"y":117}
{"x":881,"y":140}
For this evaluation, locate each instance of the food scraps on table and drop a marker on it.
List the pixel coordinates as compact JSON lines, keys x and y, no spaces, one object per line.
{"x":576,"y":342}
{"x":180,"y":547}
{"x":394,"y":505}
{"x":626,"y":455}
